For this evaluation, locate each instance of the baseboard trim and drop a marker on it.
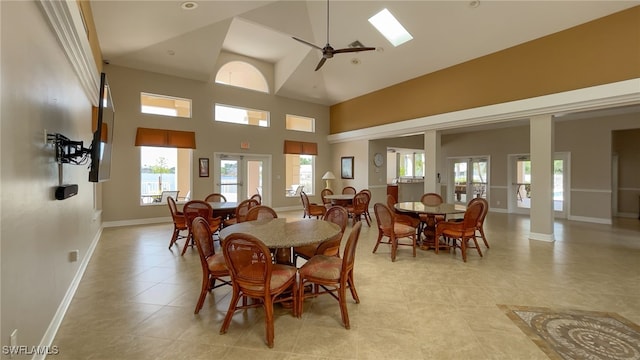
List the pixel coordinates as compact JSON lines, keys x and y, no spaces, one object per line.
{"x":157,"y":220}
{"x":54,"y":325}
{"x":542,"y":237}
{"x":590,"y":219}
{"x":628,"y":215}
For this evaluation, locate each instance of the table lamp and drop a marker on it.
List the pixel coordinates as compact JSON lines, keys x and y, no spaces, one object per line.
{"x":328,"y":176}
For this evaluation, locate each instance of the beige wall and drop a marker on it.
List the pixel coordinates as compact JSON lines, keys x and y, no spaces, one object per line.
{"x":121,"y":201}
{"x":40,"y":91}
{"x":626,"y":145}
{"x":603,"y":51}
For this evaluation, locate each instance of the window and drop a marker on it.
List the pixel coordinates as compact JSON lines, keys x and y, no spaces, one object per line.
{"x":411,"y":164}
{"x":164,"y":169}
{"x":238,"y":115}
{"x":300,"y":123}
{"x":299,"y":172}
{"x":242,"y":74}
{"x":165,"y":105}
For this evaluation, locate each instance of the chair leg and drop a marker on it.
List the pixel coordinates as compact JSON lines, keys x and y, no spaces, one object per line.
{"x":232,"y":309}
{"x":174,"y":236}
{"x":189,"y":238}
{"x":203,"y":293}
{"x":484,"y":238}
{"x":342,"y":299}
{"x":414,"y":244}
{"x":352,"y":288}
{"x":394,"y":248}
{"x":268,"y":311}
{"x":377,"y":242}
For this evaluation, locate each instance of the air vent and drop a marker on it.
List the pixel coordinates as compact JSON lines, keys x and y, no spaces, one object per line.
{"x":356,"y":44}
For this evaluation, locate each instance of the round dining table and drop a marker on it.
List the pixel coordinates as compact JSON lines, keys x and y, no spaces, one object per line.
{"x":283,"y":235}
{"x":340,"y":199}
{"x":224,"y":209}
{"x":417,"y":207}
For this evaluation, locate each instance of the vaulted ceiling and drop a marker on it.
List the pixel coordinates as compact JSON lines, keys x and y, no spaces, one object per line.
{"x":161,"y":36}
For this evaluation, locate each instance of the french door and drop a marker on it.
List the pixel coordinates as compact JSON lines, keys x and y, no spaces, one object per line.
{"x":238,"y":176}
{"x":520,"y":184}
{"x":469,"y":179}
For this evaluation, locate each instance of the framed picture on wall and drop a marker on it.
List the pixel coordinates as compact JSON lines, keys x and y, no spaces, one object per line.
{"x":346,"y":167}
{"x":203,"y":165}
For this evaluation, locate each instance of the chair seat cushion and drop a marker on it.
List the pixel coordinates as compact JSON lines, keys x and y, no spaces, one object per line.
{"x":458,"y":233}
{"x":216,"y":263}
{"x":403,"y":230}
{"x":322,"y":267}
{"x":280,"y":275}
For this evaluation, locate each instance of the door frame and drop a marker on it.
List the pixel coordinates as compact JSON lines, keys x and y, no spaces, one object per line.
{"x":266,"y":172}
{"x":450,"y":198}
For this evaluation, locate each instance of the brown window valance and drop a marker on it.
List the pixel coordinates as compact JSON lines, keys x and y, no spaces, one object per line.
{"x":166,"y":138}
{"x":301,"y":148}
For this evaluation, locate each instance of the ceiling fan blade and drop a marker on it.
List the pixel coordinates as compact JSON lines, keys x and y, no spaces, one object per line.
{"x":356,"y":49}
{"x":307,"y":43}
{"x":322,"y":61}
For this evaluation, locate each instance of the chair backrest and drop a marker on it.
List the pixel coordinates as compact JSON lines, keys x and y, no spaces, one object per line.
{"x":485,"y":208}
{"x":472,"y":215}
{"x":384,"y":216}
{"x":337,"y":215}
{"x":261,"y":212}
{"x":243,"y":209}
{"x":361,"y":201}
{"x":249,"y":262}
{"x":367,"y":191}
{"x":215,"y":197}
{"x":166,"y":194}
{"x":173,"y":208}
{"x":257,"y":197}
{"x":298,"y":190}
{"x":202,"y":236}
{"x":196,"y":208}
{"x":324,"y":193}
{"x":349,"y":255}
{"x":305,"y":200}
{"x":348,"y":190}
{"x":391,"y":201}
{"x":431,"y":199}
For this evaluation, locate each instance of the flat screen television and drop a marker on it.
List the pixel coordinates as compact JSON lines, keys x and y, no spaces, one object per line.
{"x":104,"y":117}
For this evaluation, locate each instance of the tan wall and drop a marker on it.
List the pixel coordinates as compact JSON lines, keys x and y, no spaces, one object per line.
{"x":40,"y":90}
{"x":626,"y":144}
{"x":121,"y":200}
{"x":599,"y":52}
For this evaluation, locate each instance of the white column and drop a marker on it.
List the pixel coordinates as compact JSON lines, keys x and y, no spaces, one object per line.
{"x":542,"y":149}
{"x":432,"y":161}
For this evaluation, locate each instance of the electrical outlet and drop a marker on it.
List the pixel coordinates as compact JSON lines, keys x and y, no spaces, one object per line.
{"x":73,"y":255}
{"x":498,"y":202}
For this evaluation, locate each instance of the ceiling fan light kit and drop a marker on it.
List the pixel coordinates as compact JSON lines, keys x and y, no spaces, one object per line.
{"x":328,"y":51}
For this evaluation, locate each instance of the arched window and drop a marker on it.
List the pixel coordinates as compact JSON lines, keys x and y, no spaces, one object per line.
{"x":242,"y":74}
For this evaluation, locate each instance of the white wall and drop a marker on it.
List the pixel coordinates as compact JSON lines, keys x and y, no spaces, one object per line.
{"x":39,"y":91}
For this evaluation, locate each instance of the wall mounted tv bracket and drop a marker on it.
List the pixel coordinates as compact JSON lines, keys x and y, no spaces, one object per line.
{"x":67,"y":152}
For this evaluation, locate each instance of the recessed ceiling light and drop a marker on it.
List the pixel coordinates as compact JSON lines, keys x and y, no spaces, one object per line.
{"x":355,"y":61}
{"x":189,"y":5}
{"x":474,"y":4}
{"x":171,"y":52}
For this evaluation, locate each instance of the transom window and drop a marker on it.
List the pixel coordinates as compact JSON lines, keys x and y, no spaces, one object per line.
{"x":239,"y":115}
{"x":300,"y":123}
{"x":242,"y":74}
{"x":165,"y":105}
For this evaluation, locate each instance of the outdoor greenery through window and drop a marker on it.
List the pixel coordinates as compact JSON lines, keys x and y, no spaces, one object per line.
{"x":239,"y":115}
{"x":165,"y":105}
{"x":164,"y":169}
{"x":299,"y":174}
{"x":300,"y":123}
{"x":411,"y":164}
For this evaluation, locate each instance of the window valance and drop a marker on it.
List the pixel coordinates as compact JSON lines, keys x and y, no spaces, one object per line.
{"x":300,"y":148}
{"x":166,"y":138}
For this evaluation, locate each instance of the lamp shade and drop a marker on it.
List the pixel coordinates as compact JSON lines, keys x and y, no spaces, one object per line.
{"x":328,"y":176}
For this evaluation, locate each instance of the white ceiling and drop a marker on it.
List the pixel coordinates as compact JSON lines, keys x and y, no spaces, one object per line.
{"x":141,"y":34}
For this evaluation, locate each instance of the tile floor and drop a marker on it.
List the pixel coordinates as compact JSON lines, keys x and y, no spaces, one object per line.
{"x":136,"y":299}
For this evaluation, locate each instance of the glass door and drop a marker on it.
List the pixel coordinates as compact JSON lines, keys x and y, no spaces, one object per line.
{"x":469,"y":179}
{"x":238,"y":177}
{"x":520,"y":201}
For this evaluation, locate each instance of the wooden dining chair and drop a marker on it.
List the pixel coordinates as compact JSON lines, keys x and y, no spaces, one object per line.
{"x":359,"y":207}
{"x":311,"y":209}
{"x":215,"y":197}
{"x":254,"y":275}
{"x":199,"y":208}
{"x":261,"y":212}
{"x":331,"y":247}
{"x":402,"y":218}
{"x":389,"y":228}
{"x":179,"y":222}
{"x":213,"y":265}
{"x":429,"y":221}
{"x":241,"y":212}
{"x":366,"y":213}
{"x":480,"y":225}
{"x":460,"y":232}
{"x":326,"y":202}
{"x":349,"y":190}
{"x":333,"y":275}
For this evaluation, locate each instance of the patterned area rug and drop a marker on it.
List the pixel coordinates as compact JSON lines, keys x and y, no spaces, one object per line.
{"x":571,"y":334}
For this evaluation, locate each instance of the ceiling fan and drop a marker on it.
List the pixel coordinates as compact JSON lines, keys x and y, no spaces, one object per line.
{"x":328,"y":51}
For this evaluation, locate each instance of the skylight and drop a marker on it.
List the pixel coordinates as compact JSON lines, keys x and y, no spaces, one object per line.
{"x":390,"y":28}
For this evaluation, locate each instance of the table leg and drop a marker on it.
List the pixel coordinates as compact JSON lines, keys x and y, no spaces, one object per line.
{"x":283,"y":256}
